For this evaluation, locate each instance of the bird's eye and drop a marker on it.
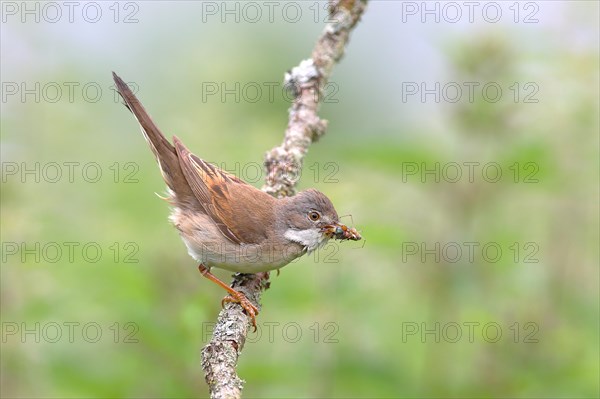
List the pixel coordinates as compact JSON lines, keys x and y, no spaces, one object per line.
{"x":314,"y":216}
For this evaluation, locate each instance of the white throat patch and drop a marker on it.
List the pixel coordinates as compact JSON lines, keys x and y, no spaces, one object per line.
{"x":309,"y":238}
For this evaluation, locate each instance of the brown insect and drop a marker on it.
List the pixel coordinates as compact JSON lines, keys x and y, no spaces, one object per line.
{"x":342,"y":232}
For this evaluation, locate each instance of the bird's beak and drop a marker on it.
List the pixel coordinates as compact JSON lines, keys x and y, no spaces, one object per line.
{"x":340,"y":231}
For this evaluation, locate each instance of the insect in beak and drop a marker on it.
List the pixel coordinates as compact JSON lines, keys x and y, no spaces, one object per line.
{"x":340,"y":231}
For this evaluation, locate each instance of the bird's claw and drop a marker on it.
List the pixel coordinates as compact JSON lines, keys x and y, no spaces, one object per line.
{"x":238,"y":297}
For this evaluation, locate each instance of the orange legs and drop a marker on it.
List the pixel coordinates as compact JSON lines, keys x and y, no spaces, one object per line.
{"x":234,"y":296}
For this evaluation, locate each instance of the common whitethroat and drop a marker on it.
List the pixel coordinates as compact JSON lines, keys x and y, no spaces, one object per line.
{"x":229,"y":224}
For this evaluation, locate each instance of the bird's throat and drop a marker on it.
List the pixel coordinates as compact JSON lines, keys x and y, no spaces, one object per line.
{"x":311,"y":239}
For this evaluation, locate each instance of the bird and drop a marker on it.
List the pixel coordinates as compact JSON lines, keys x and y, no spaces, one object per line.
{"x":229,"y":224}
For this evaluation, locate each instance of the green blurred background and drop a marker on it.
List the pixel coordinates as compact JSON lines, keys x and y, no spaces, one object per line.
{"x":413,"y":313}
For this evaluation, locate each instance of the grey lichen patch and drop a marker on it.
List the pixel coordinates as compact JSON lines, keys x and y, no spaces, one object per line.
{"x":342,"y":20}
{"x":302,"y":73}
{"x":218,"y":362}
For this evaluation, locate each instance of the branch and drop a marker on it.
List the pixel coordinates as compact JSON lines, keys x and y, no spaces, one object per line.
{"x":307,"y":81}
{"x":283,"y":165}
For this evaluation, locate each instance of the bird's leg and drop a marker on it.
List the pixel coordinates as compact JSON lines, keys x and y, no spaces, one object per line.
{"x":234,"y":296}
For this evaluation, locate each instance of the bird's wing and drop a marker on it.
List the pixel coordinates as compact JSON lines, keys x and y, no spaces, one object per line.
{"x":238,"y":209}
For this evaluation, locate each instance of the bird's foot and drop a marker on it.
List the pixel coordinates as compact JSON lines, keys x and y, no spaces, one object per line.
{"x":238,"y":297}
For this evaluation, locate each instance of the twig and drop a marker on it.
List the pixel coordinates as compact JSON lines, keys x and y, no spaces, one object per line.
{"x":307,"y":81}
{"x":283,"y":164}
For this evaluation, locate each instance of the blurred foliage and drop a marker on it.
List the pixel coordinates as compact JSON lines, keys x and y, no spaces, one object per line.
{"x":353,"y":306}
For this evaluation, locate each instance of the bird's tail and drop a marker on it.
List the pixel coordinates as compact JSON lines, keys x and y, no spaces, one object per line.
{"x":165,"y":153}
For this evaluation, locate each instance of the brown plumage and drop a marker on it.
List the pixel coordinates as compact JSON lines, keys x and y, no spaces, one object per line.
{"x":228,"y":223}
{"x":197,"y":185}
